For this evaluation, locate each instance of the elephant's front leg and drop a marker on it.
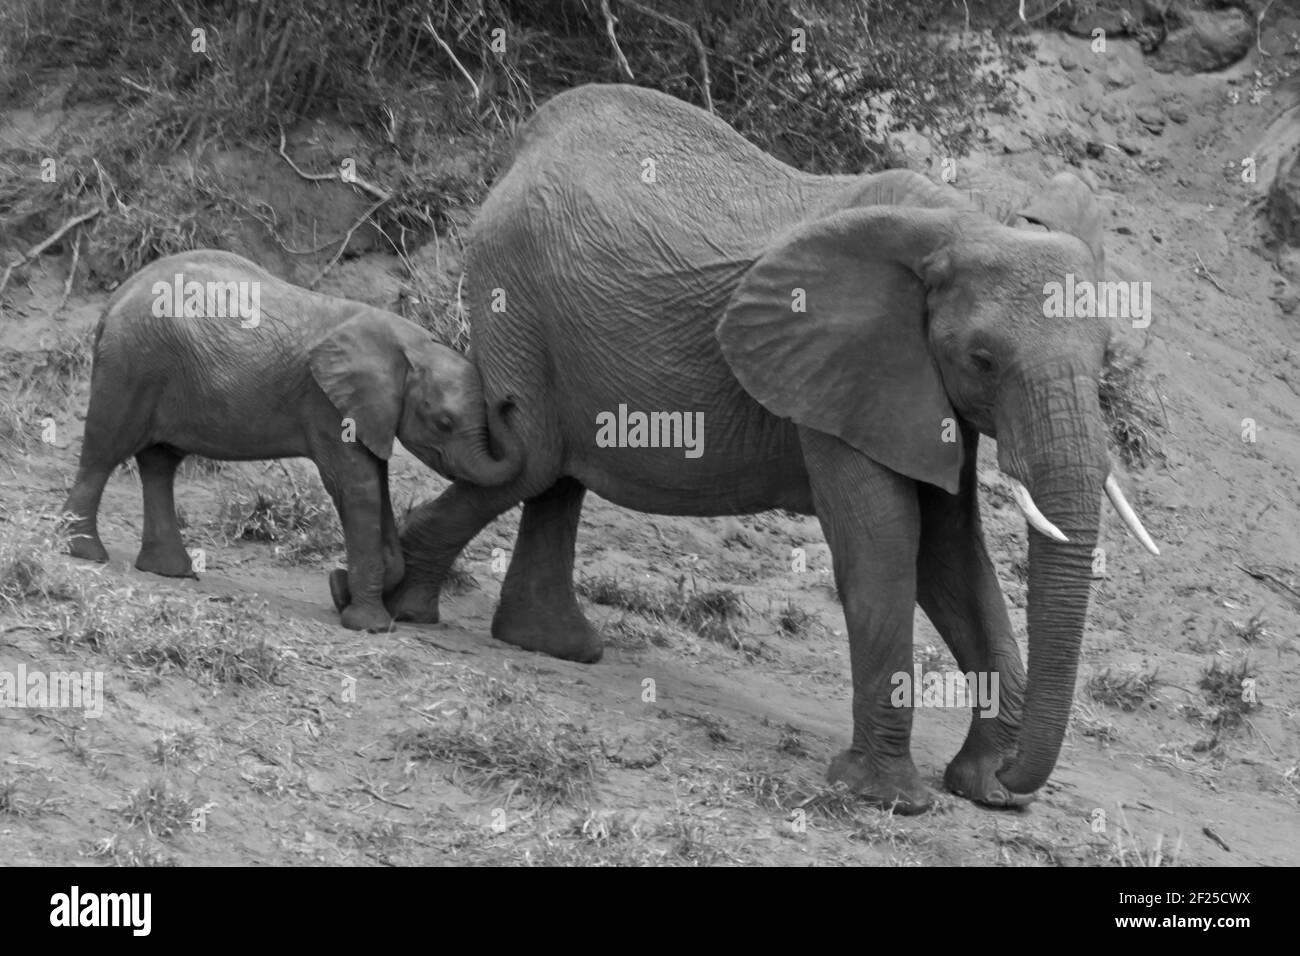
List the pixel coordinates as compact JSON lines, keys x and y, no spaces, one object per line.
{"x":870,"y":518}
{"x":958,"y":590}
{"x":356,"y":482}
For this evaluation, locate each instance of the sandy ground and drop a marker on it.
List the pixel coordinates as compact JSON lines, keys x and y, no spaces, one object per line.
{"x":393,"y":748}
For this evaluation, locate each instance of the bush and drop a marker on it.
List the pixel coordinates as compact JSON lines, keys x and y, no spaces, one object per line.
{"x":413,"y":74}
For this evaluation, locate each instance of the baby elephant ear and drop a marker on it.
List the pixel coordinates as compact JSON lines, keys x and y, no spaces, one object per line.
{"x":361,"y":366}
{"x":828,"y":329}
{"x":1066,"y":204}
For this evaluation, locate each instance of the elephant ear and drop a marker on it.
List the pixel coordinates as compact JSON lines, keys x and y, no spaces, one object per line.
{"x":361,"y":365}
{"x":828,"y":328}
{"x":1066,"y":204}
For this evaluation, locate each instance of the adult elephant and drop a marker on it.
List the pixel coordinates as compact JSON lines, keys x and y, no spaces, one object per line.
{"x":847,"y":339}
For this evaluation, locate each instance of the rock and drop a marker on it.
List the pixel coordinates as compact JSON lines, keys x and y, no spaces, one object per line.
{"x":1177,"y":114}
{"x":1118,"y":74}
{"x":1150,"y":116}
{"x":1211,"y":40}
{"x":1131,"y":148}
{"x":1288,"y":302}
{"x":1068,"y":64}
{"x":1283,"y":204}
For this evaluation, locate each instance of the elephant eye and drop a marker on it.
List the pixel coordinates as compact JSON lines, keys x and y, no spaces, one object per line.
{"x":443,"y":423}
{"x":983,"y":361}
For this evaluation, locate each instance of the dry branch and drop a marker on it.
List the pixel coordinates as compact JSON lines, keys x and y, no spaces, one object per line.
{"x":366,"y":187}
{"x":347,"y":237}
{"x":428,"y":25}
{"x":40,"y":247}
{"x":691,"y":35}
{"x":613,"y":40}
{"x":72,"y":271}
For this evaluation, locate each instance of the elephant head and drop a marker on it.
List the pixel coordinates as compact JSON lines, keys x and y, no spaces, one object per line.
{"x":885,"y":324}
{"x":394,"y":380}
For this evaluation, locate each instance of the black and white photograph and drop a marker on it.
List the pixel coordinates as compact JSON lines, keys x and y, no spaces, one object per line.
{"x":651,"y":433}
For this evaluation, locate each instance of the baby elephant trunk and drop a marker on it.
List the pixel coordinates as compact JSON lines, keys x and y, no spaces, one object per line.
{"x":476,"y":462}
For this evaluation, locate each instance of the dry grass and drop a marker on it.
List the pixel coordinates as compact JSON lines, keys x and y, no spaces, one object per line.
{"x":1226,"y":693}
{"x":710,"y":613}
{"x":298,"y":518}
{"x":502,"y":739}
{"x":1132,"y":409}
{"x":158,"y":810}
{"x":39,"y":386}
{"x":151,"y":633}
{"x":1128,"y":689}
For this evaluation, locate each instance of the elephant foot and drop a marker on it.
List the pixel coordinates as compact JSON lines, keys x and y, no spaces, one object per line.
{"x":564,"y":633}
{"x":366,"y":617}
{"x":88,"y":547}
{"x":170,"y":562}
{"x":895,"y":786}
{"x":973,"y":775}
{"x":414,"y":602}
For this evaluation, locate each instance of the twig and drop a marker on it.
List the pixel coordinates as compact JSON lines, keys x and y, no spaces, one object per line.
{"x":366,"y":187}
{"x":1262,"y":737}
{"x":1262,"y":575}
{"x":147,"y":90}
{"x":691,"y":35}
{"x":40,"y":247}
{"x":366,"y":788}
{"x":613,"y":40}
{"x":72,"y":271}
{"x":1216,"y":838}
{"x":1204,"y":272}
{"x":347,"y":237}
{"x":428,"y":25}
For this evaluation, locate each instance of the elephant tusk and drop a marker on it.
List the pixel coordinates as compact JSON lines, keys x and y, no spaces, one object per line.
{"x":1126,"y":512}
{"x":1030,"y":510}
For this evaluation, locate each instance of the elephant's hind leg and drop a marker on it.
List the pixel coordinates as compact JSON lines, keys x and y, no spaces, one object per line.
{"x":432,"y":537}
{"x":538,"y":610}
{"x":113,"y":434}
{"x":82,"y":507}
{"x":161,"y":549}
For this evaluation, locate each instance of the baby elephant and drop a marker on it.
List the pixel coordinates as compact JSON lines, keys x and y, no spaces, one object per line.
{"x":206,"y":353}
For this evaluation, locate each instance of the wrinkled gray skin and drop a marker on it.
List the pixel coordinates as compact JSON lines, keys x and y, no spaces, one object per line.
{"x":164,"y":387}
{"x":677,"y":294}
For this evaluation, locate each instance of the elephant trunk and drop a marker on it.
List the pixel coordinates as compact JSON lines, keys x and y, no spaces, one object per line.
{"x":1059,"y":452}
{"x":477,"y":464}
